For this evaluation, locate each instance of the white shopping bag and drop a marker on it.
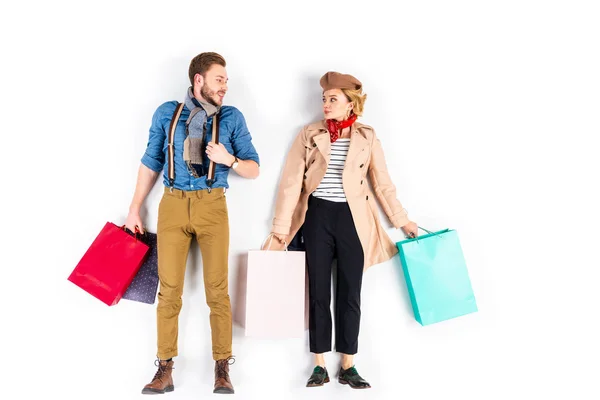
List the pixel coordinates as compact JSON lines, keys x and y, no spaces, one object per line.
{"x":276,"y":293}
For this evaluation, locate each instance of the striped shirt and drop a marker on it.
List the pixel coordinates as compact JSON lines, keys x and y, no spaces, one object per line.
{"x":331,"y":187}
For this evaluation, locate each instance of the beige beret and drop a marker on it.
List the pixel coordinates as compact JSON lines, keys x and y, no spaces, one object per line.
{"x":335,"y":80}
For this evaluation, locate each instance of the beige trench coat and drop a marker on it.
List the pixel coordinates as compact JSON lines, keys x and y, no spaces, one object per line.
{"x":304,"y":169}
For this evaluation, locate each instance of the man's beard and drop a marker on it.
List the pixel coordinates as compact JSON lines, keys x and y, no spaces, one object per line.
{"x":208,"y":95}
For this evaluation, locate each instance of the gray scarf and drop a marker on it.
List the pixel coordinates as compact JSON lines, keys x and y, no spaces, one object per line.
{"x":193,"y":145}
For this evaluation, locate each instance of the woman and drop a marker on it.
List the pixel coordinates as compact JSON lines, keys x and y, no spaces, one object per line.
{"x":324,"y":191}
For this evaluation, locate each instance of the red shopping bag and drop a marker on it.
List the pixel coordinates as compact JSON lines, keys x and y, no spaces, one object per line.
{"x":110,"y":264}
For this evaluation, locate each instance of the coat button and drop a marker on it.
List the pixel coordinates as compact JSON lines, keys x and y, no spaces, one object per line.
{"x":313,"y":161}
{"x":361,"y":182}
{"x":301,"y":190}
{"x":362,"y":165}
{"x":314,"y":145}
{"x":367,"y":197}
{"x":304,"y":176}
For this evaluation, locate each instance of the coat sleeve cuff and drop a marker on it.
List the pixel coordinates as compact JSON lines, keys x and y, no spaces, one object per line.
{"x":281,"y":227}
{"x":400,"y":219}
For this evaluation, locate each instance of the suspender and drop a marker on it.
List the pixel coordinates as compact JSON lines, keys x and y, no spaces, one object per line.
{"x":210,"y":179}
{"x":170,"y":147}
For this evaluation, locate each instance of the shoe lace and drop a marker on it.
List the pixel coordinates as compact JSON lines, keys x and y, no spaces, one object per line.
{"x":222,"y":367}
{"x":162,"y":369}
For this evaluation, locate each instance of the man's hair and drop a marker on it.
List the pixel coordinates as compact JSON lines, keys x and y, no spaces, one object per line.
{"x":202,"y":63}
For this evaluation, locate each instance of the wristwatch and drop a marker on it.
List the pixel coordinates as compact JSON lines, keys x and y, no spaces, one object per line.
{"x":235,"y":163}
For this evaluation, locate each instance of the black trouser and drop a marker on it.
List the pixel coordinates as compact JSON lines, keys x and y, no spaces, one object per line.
{"x":329,"y":233}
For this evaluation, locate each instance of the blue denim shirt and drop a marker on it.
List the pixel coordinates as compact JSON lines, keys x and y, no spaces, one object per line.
{"x":233,"y":134}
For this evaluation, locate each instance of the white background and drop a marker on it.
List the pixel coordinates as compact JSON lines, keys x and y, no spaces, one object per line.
{"x":488,"y":112}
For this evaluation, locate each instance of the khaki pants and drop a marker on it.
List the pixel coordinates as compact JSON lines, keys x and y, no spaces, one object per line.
{"x":181,"y":216}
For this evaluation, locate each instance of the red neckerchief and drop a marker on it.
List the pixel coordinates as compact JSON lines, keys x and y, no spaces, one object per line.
{"x":335,"y":126}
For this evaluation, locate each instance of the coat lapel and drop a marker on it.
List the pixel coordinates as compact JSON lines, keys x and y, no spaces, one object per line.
{"x":323,"y":144}
{"x":358,"y":143}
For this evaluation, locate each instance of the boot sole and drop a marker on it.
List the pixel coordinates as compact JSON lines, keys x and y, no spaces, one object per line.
{"x":158,"y":391}
{"x":345,"y":382}
{"x":318,"y":384}
{"x":223,"y":390}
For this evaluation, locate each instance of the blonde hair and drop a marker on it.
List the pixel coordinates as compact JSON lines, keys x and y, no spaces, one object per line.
{"x":357,"y":98}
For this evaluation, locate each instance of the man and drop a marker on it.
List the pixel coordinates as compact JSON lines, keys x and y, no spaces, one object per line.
{"x":194,"y":205}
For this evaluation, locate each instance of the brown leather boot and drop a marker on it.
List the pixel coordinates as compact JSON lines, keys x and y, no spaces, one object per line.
{"x":163,"y":379}
{"x":222,"y":382}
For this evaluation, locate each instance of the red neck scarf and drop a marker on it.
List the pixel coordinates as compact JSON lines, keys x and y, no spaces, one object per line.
{"x":335,"y":127}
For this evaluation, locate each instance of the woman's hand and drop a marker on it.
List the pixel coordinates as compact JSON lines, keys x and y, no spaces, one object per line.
{"x":276,"y":242}
{"x":411,"y":229}
{"x":279,"y":237}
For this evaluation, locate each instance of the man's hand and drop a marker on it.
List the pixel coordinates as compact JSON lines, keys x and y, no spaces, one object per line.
{"x":219,"y":154}
{"x":133,"y":221}
{"x":411,"y":230}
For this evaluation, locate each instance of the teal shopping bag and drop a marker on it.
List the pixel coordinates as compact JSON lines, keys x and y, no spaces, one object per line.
{"x":436,"y":276}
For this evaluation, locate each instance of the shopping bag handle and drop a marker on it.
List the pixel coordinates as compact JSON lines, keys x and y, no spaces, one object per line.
{"x":135,"y":234}
{"x":429,"y":232}
{"x":410,"y":237}
{"x":270,"y":237}
{"x":423,"y":229}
